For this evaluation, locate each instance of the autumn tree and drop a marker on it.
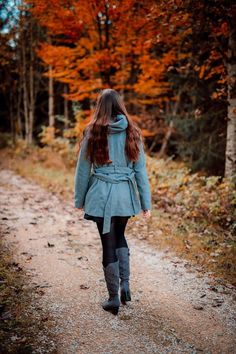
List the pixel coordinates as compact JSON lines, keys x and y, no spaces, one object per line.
{"x":230,"y":167}
{"x":8,"y":70}
{"x":172,"y":65}
{"x":192,"y":41}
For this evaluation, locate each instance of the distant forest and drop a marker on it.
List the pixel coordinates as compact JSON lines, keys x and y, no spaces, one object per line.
{"x":173,"y":62}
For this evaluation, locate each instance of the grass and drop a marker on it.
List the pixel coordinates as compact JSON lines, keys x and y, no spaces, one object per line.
{"x":205,"y":245}
{"x":193,"y":215}
{"x":21,"y":322}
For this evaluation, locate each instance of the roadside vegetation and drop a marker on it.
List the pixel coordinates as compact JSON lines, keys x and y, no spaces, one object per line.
{"x":22,"y":321}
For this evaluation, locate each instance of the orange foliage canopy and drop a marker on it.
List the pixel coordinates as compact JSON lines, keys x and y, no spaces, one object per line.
{"x":94,"y":44}
{"x":128,"y":45}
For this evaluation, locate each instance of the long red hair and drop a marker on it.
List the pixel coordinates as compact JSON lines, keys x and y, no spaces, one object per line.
{"x":109,"y":104}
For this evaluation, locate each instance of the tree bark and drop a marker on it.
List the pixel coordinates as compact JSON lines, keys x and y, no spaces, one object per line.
{"x":12,"y":120}
{"x":171,"y":124}
{"x":31,"y":87}
{"x":166,"y":139}
{"x":19,"y":98}
{"x":230,"y":155}
{"x":51,"y":99}
{"x":123,"y":64}
{"x":66,"y":110}
{"x":25,"y":93}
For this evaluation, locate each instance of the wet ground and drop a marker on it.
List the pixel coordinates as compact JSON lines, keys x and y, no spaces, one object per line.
{"x":174,"y":308}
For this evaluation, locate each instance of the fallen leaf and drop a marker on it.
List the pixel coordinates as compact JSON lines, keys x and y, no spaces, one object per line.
{"x":50,"y":244}
{"x":84,"y":287}
{"x":198,"y":307}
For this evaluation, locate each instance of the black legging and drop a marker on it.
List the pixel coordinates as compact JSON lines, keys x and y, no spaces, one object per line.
{"x":113,"y":239}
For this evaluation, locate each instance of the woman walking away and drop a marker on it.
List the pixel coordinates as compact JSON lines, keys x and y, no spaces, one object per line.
{"x":111,"y":185}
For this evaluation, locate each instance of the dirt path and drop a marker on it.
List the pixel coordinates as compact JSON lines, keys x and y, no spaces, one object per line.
{"x":174,"y":309}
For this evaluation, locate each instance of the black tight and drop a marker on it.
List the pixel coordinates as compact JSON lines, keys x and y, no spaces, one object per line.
{"x":113,"y":239}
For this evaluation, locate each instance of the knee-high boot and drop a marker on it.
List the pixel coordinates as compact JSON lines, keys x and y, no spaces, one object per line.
{"x":111,"y":273}
{"x":123,"y":255}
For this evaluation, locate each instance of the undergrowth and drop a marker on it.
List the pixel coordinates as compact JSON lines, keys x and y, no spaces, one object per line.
{"x":20,"y":322}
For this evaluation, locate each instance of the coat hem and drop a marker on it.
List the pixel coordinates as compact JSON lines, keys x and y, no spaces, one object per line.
{"x":100,"y":218}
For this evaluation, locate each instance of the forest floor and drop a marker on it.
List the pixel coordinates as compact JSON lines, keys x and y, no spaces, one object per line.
{"x":175,"y":308}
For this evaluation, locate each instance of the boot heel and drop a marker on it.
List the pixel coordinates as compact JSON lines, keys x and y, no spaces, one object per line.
{"x":115,"y":310}
{"x":125,"y":296}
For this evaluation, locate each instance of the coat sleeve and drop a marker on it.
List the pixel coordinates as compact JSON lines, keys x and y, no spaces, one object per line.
{"x":81,"y":178}
{"x":142,"y":180}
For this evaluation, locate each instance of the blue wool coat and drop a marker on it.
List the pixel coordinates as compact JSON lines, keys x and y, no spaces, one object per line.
{"x":120,"y":188}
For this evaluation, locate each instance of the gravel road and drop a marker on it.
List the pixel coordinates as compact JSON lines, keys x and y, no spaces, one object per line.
{"x":174,"y":308}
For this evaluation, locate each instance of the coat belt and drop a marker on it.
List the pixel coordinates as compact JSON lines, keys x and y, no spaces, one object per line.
{"x":114,"y":175}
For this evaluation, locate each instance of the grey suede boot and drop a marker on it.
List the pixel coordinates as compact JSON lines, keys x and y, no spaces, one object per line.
{"x":111,"y":273}
{"x":124,"y":267}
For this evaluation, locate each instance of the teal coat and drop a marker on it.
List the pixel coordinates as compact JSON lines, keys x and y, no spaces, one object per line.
{"x":117,"y":189}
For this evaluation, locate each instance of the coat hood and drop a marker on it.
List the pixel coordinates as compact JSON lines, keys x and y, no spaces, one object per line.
{"x":118,"y":124}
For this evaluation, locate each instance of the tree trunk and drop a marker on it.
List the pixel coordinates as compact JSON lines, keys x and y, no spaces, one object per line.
{"x":166,"y":139}
{"x":19,"y":98}
{"x":31,"y":87}
{"x":230,"y":155}
{"x":51,"y":99}
{"x":25,"y":93}
{"x":12,"y":120}
{"x":66,"y":110}
{"x":171,"y":124}
{"x":123,"y":64}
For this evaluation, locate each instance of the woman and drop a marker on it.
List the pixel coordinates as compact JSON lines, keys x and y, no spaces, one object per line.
{"x":111,"y":185}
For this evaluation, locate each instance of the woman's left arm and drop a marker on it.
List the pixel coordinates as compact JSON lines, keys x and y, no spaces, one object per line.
{"x":82,"y":174}
{"x":142,"y":180}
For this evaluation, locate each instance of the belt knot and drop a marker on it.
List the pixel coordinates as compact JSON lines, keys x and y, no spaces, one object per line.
{"x":113,"y":175}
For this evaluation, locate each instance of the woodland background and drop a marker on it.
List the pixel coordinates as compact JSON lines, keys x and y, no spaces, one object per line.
{"x":173,"y":62}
